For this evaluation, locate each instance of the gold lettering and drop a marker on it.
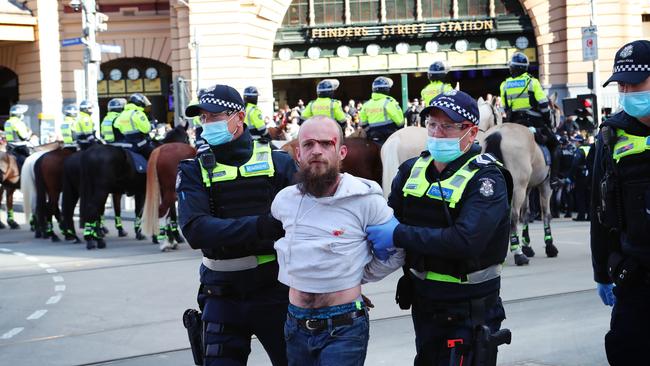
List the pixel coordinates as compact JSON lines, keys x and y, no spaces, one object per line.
{"x":465,"y":25}
{"x":385,"y":30}
{"x":488,"y":24}
{"x":331,"y":32}
{"x":478,"y":25}
{"x":457,"y":27}
{"x":314,"y":33}
{"x":443,"y":27}
{"x":357,"y":32}
{"x":364,"y":31}
{"x":421,"y":28}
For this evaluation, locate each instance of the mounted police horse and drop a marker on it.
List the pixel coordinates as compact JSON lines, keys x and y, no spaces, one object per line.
{"x":106,"y":169}
{"x":9,"y":182}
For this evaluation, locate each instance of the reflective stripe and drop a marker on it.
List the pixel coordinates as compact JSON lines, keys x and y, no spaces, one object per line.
{"x":453,"y":187}
{"x":628,"y":144}
{"x":585,"y":149}
{"x":260,"y":164}
{"x":237,"y":264}
{"x":473,"y":278}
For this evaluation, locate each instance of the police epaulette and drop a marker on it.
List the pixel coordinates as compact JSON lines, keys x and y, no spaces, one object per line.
{"x":484,"y":160}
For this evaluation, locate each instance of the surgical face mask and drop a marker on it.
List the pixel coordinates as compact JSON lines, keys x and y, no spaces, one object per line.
{"x":636,"y":104}
{"x":217,"y":133}
{"x":445,"y":149}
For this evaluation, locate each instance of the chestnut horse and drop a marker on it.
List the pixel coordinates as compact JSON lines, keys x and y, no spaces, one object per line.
{"x":9,"y":182}
{"x":363,"y":159}
{"x":159,"y":212}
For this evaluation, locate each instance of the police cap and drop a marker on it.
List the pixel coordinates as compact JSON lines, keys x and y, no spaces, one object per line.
{"x":632,"y":63}
{"x":457,"y":105}
{"x":217,"y":99}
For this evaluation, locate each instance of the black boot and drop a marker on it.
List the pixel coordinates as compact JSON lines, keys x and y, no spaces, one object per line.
{"x":555,"y":166}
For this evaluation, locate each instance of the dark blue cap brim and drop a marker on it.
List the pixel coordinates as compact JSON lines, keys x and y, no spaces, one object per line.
{"x":628,"y":77}
{"x":449,"y":112}
{"x":195,"y":110}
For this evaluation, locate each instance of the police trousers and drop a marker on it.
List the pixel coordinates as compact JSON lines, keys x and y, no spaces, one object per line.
{"x":439,"y":323}
{"x":229,"y":321}
{"x":628,"y":339}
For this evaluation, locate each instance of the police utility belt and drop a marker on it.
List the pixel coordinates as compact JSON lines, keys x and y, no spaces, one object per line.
{"x":473,"y":278}
{"x":237,"y":264}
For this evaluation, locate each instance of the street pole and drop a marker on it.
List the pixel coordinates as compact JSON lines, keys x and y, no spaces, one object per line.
{"x":596,"y":71}
{"x":92,"y":56}
{"x":195,"y":46}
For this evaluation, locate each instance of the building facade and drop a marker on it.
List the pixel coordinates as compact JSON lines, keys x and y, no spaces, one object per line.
{"x":285,"y":47}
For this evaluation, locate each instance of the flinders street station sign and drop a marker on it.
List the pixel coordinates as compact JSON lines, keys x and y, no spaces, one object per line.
{"x":402,"y":29}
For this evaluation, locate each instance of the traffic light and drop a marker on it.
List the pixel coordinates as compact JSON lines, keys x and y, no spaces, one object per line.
{"x":588,"y":103}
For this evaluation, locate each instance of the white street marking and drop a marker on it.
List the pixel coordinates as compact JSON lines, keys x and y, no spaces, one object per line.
{"x":57,"y":278}
{"x":53,"y":299}
{"x":32,"y":259}
{"x":51,"y":270}
{"x":12,"y":333}
{"x":5,"y":250}
{"x":59,"y":288}
{"x":44,"y":265}
{"x":20,"y":254}
{"x":37,"y":314}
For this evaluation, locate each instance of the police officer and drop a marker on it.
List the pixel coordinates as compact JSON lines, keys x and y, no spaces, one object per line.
{"x":525,"y":103}
{"x":254,"y":118}
{"x":580,"y":175}
{"x":381,"y":115}
{"x":84,"y":128}
{"x":17,"y":133}
{"x":225,"y":197}
{"x":70,"y":113}
{"x":115,"y":107}
{"x":567,"y":153}
{"x":133,"y":125}
{"x":455,"y":242}
{"x":325,"y":104}
{"x":437,"y":74}
{"x":621,"y":209}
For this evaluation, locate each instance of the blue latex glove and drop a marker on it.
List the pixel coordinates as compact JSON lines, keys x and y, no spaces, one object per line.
{"x":381,"y":236}
{"x":606,"y":294}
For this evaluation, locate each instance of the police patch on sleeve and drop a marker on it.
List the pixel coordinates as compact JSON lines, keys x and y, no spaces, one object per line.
{"x":487,"y":187}
{"x":178,"y":180}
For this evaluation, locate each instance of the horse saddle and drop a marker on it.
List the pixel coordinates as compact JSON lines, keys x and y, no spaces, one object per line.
{"x":139,"y":162}
{"x":547,"y":154}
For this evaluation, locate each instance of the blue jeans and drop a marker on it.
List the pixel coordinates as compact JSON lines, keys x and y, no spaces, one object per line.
{"x":344,"y":345}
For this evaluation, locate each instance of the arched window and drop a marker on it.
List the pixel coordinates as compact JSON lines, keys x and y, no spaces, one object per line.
{"x":364,"y":11}
{"x":329,"y":12}
{"x":297,"y":14}
{"x":400,"y":10}
{"x":437,"y":9}
{"x":473,"y":8}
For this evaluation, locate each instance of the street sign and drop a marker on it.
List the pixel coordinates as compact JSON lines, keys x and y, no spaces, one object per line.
{"x":110,"y":48}
{"x":71,"y":42}
{"x":589,"y":43}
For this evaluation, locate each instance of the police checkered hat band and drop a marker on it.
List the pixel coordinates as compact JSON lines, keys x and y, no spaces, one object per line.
{"x":217,"y":99}
{"x":632,"y":63}
{"x":456,"y":108}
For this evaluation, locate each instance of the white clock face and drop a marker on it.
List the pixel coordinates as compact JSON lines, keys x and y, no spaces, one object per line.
{"x":133,"y":73}
{"x":116,"y":74}
{"x":151,"y":73}
{"x":100,"y":75}
{"x":491,"y":44}
{"x":461,"y":45}
{"x":521,"y":42}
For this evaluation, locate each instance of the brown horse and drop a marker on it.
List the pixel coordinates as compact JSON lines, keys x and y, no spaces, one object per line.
{"x":9,"y":182}
{"x":278,"y":133}
{"x":363,"y":159}
{"x":159,"y":212}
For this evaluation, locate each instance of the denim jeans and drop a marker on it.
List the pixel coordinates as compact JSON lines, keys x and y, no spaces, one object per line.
{"x":337,"y":346}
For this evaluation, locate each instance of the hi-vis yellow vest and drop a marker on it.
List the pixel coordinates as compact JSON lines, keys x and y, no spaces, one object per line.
{"x":453,"y":187}
{"x":627,"y":144}
{"x":260,"y":164}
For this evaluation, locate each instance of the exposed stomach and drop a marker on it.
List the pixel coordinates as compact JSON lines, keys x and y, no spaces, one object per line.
{"x":310,"y":300}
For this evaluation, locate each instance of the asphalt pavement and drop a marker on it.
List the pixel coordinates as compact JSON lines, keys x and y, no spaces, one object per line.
{"x":61,"y":304}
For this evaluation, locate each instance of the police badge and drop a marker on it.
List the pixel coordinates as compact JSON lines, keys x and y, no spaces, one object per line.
{"x":487,"y":188}
{"x":626,"y":51}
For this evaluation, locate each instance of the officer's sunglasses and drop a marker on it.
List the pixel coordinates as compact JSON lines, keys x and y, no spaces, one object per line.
{"x":448,"y":127}
{"x":210,"y":117}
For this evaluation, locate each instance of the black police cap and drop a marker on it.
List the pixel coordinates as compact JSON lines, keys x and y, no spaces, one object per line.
{"x":217,"y":99}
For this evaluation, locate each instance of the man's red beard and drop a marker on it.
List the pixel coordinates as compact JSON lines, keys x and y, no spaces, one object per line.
{"x":317,"y":180}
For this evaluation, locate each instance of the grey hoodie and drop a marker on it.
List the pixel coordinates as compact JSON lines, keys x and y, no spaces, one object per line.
{"x":325,"y":248}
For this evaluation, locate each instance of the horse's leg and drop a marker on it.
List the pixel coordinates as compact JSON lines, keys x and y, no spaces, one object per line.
{"x":139,"y":204}
{"x":545,"y":200}
{"x":2,"y":190}
{"x":518,"y":197}
{"x":164,"y":239}
{"x":173,"y":225}
{"x":524,"y":220}
{"x":93,"y":211}
{"x":70,"y":196}
{"x":51,"y":211}
{"x":117,"y":208}
{"x":10,"y":209}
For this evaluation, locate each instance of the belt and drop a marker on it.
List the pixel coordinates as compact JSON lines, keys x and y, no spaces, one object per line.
{"x":314,"y":325}
{"x":473,"y":278}
{"x":237,"y":264}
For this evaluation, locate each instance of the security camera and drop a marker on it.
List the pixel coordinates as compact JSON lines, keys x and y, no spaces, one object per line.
{"x":75,"y":5}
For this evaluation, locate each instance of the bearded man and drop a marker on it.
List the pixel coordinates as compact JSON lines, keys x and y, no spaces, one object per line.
{"x":324,"y":256}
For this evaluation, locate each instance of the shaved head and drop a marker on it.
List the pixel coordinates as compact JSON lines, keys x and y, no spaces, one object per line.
{"x":321,"y":123}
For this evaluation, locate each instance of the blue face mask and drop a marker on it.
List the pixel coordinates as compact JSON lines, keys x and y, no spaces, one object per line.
{"x":636,"y":104}
{"x":445,"y":149}
{"x":216,"y":133}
